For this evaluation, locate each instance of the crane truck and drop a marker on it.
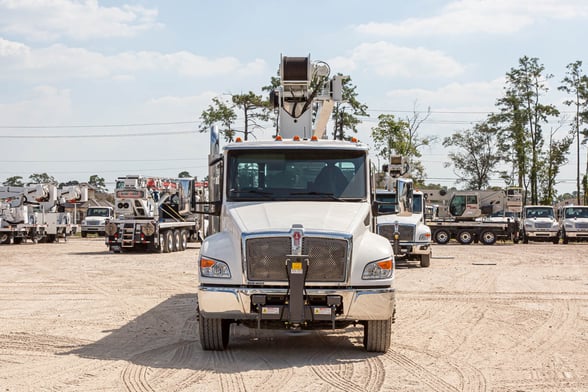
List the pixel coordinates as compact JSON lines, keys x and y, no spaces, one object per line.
{"x":153,"y":214}
{"x":292,"y":241}
{"x":466,"y":213}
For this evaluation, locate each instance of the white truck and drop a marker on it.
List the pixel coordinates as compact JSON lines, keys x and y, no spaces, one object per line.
{"x":409,"y":235}
{"x":573,"y":223}
{"x":292,"y":243}
{"x":539,"y":224}
{"x":153,"y":214}
{"x":95,"y":220}
{"x":36,"y":212}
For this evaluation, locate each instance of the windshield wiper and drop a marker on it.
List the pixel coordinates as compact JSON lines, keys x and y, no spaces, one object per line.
{"x":250,"y":192}
{"x":329,"y":195}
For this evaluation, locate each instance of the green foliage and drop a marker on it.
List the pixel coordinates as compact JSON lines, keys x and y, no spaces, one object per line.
{"x":13,"y":181}
{"x":255,"y":110}
{"x":219,"y":113}
{"x":98,"y":183}
{"x":184,"y":174}
{"x":477,"y":156}
{"x":346,"y":113}
{"x":42,"y":178}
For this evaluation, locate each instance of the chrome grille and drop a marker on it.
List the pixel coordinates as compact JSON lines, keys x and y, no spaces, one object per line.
{"x":581,"y":225}
{"x":406,"y":232}
{"x":543,"y":225}
{"x":266,"y":258}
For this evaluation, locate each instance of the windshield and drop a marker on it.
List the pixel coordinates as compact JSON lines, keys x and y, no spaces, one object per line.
{"x":540,"y":212}
{"x":97,"y":212}
{"x":296,"y":174}
{"x":576,"y":212}
{"x":417,"y":203}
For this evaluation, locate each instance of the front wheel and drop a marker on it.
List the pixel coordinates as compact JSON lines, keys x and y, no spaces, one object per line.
{"x":214,"y":333}
{"x":442,"y":236}
{"x":377,"y":335}
{"x":425,"y":260}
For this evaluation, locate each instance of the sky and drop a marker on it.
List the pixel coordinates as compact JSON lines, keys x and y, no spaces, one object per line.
{"x":111,"y":88}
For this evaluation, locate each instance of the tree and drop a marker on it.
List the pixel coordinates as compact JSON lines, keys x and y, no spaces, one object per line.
{"x":184,"y":174}
{"x":13,"y":181}
{"x":255,"y":109}
{"x":555,"y":157}
{"x":345,"y":113}
{"x":42,"y":178}
{"x":522,"y":115}
{"x":576,"y":85}
{"x":98,"y":183}
{"x":477,"y":157}
{"x":219,"y":113}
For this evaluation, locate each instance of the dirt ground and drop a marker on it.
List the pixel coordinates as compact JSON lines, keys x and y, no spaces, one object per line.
{"x":482,"y":318}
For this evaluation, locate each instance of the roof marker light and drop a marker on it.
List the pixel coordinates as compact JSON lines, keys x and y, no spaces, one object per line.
{"x":314,"y":138}
{"x":238,"y":139}
{"x":278,"y":138}
{"x":354,"y":140}
{"x":296,"y":138}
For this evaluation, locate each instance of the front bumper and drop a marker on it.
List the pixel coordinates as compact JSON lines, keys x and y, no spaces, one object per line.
{"x":236,"y":302}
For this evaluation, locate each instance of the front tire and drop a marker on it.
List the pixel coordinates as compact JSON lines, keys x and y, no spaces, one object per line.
{"x":377,"y":335}
{"x":214,"y":333}
{"x":425,"y":260}
{"x":442,"y":236}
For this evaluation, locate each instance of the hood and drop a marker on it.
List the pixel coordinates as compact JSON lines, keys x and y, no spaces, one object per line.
{"x":406,"y":219}
{"x":342,"y":217}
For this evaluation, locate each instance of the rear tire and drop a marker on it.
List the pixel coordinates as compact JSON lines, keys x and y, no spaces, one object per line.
{"x":377,"y":335}
{"x":488,"y":237}
{"x":84,"y":234}
{"x":169,"y":242}
{"x":177,"y":241}
{"x":214,"y":333}
{"x":465,"y":237}
{"x":183,"y":240}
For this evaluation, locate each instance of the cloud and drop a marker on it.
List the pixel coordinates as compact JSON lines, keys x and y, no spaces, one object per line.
{"x":62,"y":62}
{"x":45,"y":105}
{"x":385,"y":59}
{"x":49,"y":20}
{"x":475,"y":16}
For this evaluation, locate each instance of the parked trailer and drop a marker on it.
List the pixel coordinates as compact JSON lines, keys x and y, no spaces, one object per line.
{"x":468,"y":232}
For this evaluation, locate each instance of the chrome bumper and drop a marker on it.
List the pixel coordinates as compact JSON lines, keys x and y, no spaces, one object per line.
{"x":235,"y":303}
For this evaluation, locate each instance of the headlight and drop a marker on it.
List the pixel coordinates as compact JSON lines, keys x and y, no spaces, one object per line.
{"x":148,"y":229}
{"x":83,"y":221}
{"x":382,"y":269}
{"x":425,"y":236}
{"x":110,"y":228}
{"x":211,"y":268}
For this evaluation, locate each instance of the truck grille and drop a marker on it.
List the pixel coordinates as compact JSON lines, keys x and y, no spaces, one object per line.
{"x":543,"y":225}
{"x":266,"y":258}
{"x":406,"y":232}
{"x":581,"y":225}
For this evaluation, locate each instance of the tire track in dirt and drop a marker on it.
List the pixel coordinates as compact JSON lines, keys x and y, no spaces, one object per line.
{"x":230,"y":378}
{"x":471,"y":378}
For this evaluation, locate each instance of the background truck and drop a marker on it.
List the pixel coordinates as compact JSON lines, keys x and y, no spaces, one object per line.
{"x":95,"y":220}
{"x":407,"y":232}
{"x":153,"y":214}
{"x":539,"y":224}
{"x":573,"y":223}
{"x":36,"y":212}
{"x":463,"y":215}
{"x":292,"y":243}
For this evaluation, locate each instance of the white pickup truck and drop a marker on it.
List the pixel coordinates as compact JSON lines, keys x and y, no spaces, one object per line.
{"x":573,"y":221}
{"x":539,"y":224}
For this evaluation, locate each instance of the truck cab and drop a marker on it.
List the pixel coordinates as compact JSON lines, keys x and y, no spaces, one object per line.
{"x":292,"y":244}
{"x":539,"y":224}
{"x":95,"y":220}
{"x":573,"y":223}
{"x":406,"y":231}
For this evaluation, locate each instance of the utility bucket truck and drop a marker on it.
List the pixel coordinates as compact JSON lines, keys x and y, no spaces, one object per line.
{"x":153,"y":214}
{"x":291,"y":242}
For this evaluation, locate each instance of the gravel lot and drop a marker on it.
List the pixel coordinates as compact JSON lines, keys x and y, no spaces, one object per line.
{"x":482,"y":318}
